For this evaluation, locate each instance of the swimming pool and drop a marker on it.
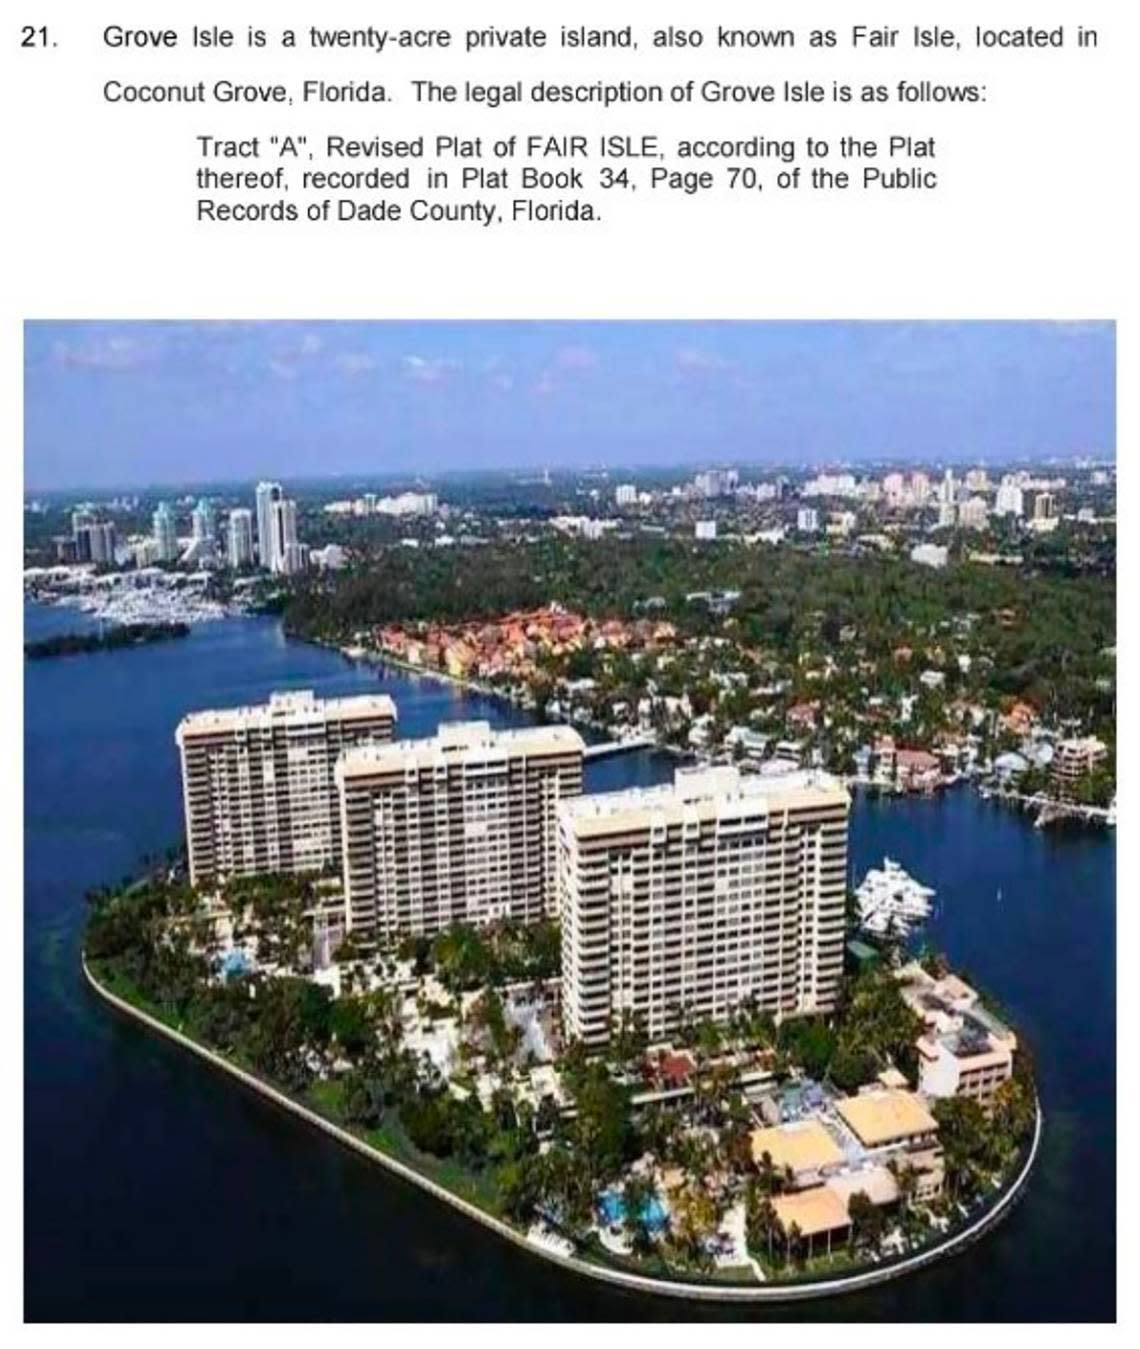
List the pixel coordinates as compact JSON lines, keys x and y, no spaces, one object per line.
{"x":611,"y":1207}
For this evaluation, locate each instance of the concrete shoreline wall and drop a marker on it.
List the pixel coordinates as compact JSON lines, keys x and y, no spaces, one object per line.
{"x":736,"y":1293}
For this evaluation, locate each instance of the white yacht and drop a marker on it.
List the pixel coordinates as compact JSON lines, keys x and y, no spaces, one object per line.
{"x":891,"y":900}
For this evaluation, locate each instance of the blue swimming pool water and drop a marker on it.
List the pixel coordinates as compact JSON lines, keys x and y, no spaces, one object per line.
{"x":611,"y":1207}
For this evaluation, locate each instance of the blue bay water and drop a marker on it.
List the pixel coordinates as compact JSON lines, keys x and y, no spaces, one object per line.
{"x":157,"y":1190}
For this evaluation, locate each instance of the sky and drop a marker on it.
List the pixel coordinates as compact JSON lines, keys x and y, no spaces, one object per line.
{"x":113,"y":404}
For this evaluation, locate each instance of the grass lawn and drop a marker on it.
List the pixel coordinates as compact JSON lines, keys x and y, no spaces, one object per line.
{"x":476,"y":1187}
{"x":125,"y":989}
{"x":326,"y":1097}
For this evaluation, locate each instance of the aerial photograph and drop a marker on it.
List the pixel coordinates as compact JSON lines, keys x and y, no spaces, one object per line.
{"x":569,"y":821}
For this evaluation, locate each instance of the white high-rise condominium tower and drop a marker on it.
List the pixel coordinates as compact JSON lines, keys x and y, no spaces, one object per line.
{"x":1010,"y":498}
{"x":457,"y":828}
{"x":258,"y":783}
{"x":239,"y":539}
{"x":202,"y":526}
{"x":266,"y":494}
{"x":283,"y":530}
{"x":688,"y":900}
{"x":165,"y":534}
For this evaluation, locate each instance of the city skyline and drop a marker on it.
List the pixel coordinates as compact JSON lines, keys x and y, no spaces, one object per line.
{"x":139,"y":404}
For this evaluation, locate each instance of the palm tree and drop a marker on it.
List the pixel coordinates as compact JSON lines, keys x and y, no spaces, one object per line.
{"x":763,"y":1226}
{"x":767,"y":1173}
{"x":794,"y":1243}
{"x":906,"y":1178}
{"x":638,"y":1195}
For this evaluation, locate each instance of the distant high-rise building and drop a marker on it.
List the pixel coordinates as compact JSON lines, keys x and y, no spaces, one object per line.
{"x":457,"y":828}
{"x":705,"y":530}
{"x":807,"y":519}
{"x":947,"y":489}
{"x":1010,"y":499}
{"x":103,"y":543}
{"x":81,"y":521}
{"x":258,"y":783}
{"x":625,"y":495}
{"x":974,"y":513}
{"x":1044,"y":506}
{"x":165,"y":534}
{"x":687,"y":901}
{"x":266,"y":494}
{"x":894,"y":489}
{"x":947,"y":515}
{"x":239,"y":539}
{"x":283,"y":533}
{"x":717,"y":482}
{"x":202,"y":525}
{"x":95,"y":542}
{"x":294,"y":559}
{"x":920,"y":488}
{"x":977,"y":480}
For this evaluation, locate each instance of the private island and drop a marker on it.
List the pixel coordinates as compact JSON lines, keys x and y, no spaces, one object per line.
{"x":639,"y":1033}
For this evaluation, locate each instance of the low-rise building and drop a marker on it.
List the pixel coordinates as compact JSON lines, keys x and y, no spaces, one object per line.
{"x":930,"y":555}
{"x":964,"y":1050}
{"x":891,"y":1124}
{"x":804,"y":1149}
{"x":1073,"y":760}
{"x":917,"y":770}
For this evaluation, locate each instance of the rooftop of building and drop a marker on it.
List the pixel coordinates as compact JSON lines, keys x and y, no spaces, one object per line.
{"x":813,"y":1211}
{"x":882,"y":1116}
{"x":972,"y":1054}
{"x":954,"y":1014}
{"x":804,"y":1145}
{"x":293,"y":706}
{"x":704,"y":794}
{"x":876,"y":1182}
{"x":1082,"y":746}
{"x":458,"y":740}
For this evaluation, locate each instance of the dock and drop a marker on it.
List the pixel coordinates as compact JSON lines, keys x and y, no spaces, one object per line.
{"x":608,"y":747}
{"x":1049,"y":810}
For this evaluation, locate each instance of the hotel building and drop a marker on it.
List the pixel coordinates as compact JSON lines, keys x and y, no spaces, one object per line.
{"x":700,"y":896}
{"x":457,"y":828}
{"x":258,"y":783}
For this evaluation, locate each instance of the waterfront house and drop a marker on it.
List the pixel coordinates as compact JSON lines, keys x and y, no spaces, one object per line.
{"x":964,"y":1049}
